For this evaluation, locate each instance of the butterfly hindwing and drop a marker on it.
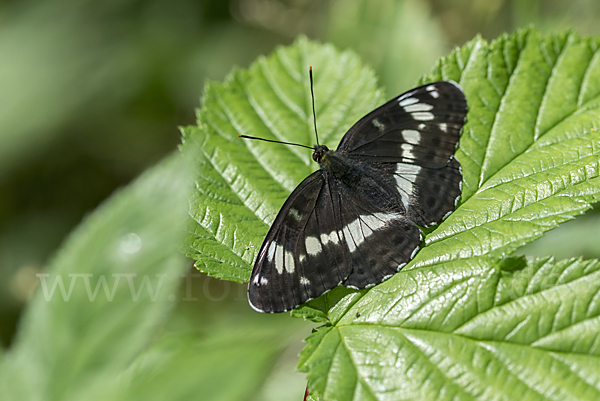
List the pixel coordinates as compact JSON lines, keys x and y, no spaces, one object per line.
{"x":428,"y":194}
{"x":380,"y":238}
{"x":421,"y":126}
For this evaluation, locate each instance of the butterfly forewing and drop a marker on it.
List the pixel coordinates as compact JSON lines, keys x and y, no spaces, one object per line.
{"x":414,"y":137}
{"x":419,"y":127}
{"x":302,"y":255}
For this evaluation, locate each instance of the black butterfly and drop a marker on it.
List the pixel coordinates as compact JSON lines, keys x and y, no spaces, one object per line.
{"x":354,"y":221}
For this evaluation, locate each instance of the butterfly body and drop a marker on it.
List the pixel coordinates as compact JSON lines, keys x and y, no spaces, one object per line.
{"x":348,"y":171}
{"x":333,"y":162}
{"x":355,"y":221}
{"x":354,"y":176}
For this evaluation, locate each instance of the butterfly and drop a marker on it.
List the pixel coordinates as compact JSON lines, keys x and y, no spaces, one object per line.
{"x":355,"y":221}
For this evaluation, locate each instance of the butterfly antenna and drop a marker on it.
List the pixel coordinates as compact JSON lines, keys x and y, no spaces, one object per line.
{"x":271,"y":140}
{"x":312,"y":95}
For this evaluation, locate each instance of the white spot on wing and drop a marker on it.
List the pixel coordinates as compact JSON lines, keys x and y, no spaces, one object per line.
{"x":279,"y":259}
{"x":289,"y":262}
{"x":408,"y":101}
{"x":422,"y":116}
{"x":407,"y":151}
{"x":324,"y":238}
{"x":331,"y":237}
{"x":418,"y":107}
{"x":271,"y":252}
{"x":407,"y":169}
{"x":295,"y":214}
{"x":302,"y":258}
{"x":405,"y":176}
{"x":313,"y":246}
{"x":352,"y":236}
{"x":304,"y":281}
{"x":444,"y":127}
{"x":264,"y":281}
{"x":360,"y":229}
{"x":364,"y":228}
{"x":380,"y":126}
{"x":411,"y":136}
{"x":412,"y":255}
{"x":372,"y":222}
{"x":433,"y":91}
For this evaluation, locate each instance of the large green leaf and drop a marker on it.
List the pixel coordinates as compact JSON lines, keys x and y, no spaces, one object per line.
{"x":468,"y":324}
{"x":466,"y":331}
{"x":461,"y":320}
{"x":529,"y":150}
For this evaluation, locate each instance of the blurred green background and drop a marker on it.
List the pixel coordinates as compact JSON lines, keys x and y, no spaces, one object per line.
{"x":93,"y":92}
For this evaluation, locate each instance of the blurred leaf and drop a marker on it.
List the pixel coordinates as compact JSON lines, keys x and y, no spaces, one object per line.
{"x":230,"y":363}
{"x":573,"y":238}
{"x":76,"y":337}
{"x":55,"y":63}
{"x":466,"y":331}
{"x":242,"y":184}
{"x":229,"y":367}
{"x":398,"y":38}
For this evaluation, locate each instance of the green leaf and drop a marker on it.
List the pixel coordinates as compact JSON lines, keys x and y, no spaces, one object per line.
{"x":466,"y":331}
{"x":462,"y":320}
{"x":530,"y":148}
{"x":242,"y":184}
{"x":73,"y":342}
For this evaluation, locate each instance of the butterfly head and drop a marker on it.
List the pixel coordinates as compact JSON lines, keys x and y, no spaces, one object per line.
{"x":320,"y":150}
